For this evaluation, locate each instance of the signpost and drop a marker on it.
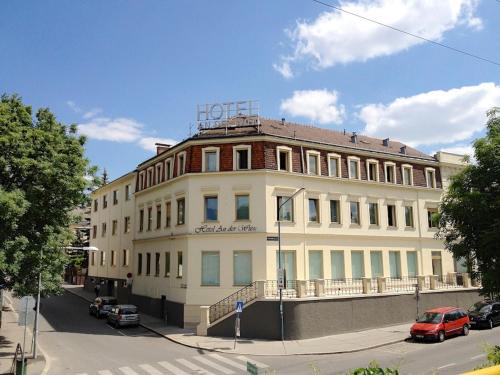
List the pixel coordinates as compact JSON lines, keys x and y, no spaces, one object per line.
{"x":239,"y":310}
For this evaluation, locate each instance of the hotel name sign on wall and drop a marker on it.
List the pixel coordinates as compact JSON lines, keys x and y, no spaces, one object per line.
{"x":221,"y":115}
{"x":216,"y":228}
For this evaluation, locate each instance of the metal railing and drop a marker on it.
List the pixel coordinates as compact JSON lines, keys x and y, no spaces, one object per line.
{"x":271,"y":289}
{"x":401,"y":284}
{"x":228,"y":304}
{"x":338,"y":287}
{"x":446,"y":282}
{"x":310,"y":288}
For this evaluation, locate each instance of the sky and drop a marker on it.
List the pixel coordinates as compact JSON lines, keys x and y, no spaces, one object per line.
{"x":131,"y":73}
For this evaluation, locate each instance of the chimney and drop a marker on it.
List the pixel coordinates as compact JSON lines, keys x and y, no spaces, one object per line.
{"x":283,"y":121}
{"x":354,"y":137}
{"x":161,"y":147}
{"x":385,"y":142}
{"x":402,"y":150}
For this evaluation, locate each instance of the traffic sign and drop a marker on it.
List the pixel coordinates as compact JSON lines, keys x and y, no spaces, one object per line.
{"x":281,"y":278}
{"x":273,"y":238}
{"x":239,"y":307}
{"x":26,"y":312}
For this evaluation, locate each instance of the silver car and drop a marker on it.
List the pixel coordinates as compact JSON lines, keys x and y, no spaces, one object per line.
{"x":124,"y":315}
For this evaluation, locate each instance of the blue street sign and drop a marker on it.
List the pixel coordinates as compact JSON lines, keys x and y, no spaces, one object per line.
{"x":239,"y":307}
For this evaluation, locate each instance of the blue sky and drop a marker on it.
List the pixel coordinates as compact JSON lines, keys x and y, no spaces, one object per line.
{"x":130,"y":72}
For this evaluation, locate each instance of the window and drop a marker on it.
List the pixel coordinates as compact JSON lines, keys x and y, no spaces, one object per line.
{"x":432,"y":217}
{"x":372,"y":170}
{"x":126,"y":224}
{"x":353,"y":167}
{"x":150,"y":177}
{"x":354,"y":212}
{"x":115,"y":197}
{"x":376,"y":263}
{"x":286,"y":211}
{"x":141,"y":220}
{"x":103,"y":229}
{"x":437,"y":266}
{"x":210,"y":159}
{"x":390,"y":172}
{"x":337,"y":264}
{"x":181,"y":163}
{"x":242,"y":207}
{"x":335,"y":211}
{"x":373,"y":210}
{"x":128,"y":192}
{"x":148,"y":264}
{"x":181,"y":211}
{"x":391,"y":215}
{"x":157,"y":264}
{"x":407,"y":174}
{"x":168,"y":214}
{"x":430,"y":177}
{"x":125,"y":256}
{"x":139,"y":264}
{"x":357,"y":264}
{"x":168,"y":169}
{"x":411,"y":260}
{"x":114,"y":227}
{"x":158,"y":174}
{"x":150,"y":218}
{"x":94,"y":231}
{"x":92,"y":258}
{"x":242,"y":268}
{"x":313,"y":210}
{"x":210,"y":268}
{"x":334,"y":165}
{"x":409,"y":216}
{"x":211,"y":208}
{"x":167,"y":264}
{"x":284,"y":158}
{"x":103,"y":258}
{"x":395,"y":264}
{"x":113,"y":258}
{"x":96,"y":204}
{"x":158,"y":216}
{"x":315,"y":264}
{"x":104,"y":201}
{"x":179,"y":264}
{"x":241,"y":158}
{"x":288,"y":264}
{"x":313,"y":166}
{"x":141,"y":181}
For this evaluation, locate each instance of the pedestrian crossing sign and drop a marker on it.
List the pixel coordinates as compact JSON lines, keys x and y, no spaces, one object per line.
{"x":239,"y":307}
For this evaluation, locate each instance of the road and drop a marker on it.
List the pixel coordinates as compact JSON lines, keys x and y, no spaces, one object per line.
{"x":77,"y":343}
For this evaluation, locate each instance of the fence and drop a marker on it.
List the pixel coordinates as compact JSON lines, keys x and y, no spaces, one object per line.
{"x":228,"y":304}
{"x":339,"y":287}
{"x":401,"y":284}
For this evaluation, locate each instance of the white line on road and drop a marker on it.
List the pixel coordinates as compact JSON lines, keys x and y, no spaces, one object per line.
{"x":478,"y":356}
{"x":228,"y":361}
{"x":220,"y":368}
{"x":128,"y":371}
{"x":173,"y":369}
{"x":448,"y":365}
{"x":194,"y":367}
{"x":105,"y":372}
{"x":151,"y":370}
{"x":256,"y":363}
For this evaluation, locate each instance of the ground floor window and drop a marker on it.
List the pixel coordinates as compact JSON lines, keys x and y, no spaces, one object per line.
{"x":437,"y":267}
{"x":395,"y":263}
{"x":337,"y":263}
{"x":210,"y":268}
{"x":288,"y":263}
{"x":411,"y":260}
{"x":376,"y":264}
{"x":242,"y":268}
{"x":179,"y":264}
{"x":315,"y":264}
{"x":358,"y":264}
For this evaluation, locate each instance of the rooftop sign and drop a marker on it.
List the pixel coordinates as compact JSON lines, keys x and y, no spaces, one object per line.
{"x":228,"y":114}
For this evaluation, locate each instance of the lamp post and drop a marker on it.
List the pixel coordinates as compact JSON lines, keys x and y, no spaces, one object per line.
{"x":279,"y":259}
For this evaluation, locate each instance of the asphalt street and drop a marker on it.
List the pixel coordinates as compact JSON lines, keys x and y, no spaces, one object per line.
{"x":77,"y":343}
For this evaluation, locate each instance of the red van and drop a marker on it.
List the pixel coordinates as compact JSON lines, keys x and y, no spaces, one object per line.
{"x":437,"y":324}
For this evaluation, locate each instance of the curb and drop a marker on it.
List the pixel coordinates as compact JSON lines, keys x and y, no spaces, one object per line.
{"x":255,"y":354}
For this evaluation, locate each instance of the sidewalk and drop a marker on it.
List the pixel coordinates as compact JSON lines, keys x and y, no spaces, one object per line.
{"x":336,"y":344}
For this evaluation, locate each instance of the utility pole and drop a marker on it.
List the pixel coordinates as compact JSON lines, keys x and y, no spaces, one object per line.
{"x":37,"y":314}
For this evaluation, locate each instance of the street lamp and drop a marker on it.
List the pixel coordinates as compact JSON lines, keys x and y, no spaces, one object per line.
{"x":279,"y":260}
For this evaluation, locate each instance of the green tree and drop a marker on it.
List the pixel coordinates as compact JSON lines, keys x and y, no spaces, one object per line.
{"x":470,"y":210}
{"x":43,"y":176}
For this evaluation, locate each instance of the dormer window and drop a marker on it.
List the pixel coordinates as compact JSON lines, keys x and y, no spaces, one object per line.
{"x":284,"y":157}
{"x":313,"y":166}
{"x":372,"y":170}
{"x":210,"y":162}
{"x":430,"y":176}
{"x":354,"y":171}
{"x":158,"y":175}
{"x":390,"y":172}
{"x":407,"y":172}
{"x":334,"y":165}
{"x":149,"y":177}
{"x":141,"y":181}
{"x":242,"y":157}
{"x":168,"y":169}
{"x":181,"y":163}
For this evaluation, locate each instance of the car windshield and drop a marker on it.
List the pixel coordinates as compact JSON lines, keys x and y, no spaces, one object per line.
{"x":128,"y":311}
{"x":480,"y":307}
{"x":430,"y":317}
{"x":109,"y":302}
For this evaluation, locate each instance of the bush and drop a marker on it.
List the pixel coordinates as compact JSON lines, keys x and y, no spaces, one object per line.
{"x":492,"y":355}
{"x":374,"y":369}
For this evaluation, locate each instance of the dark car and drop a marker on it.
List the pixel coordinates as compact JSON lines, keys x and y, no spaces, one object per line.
{"x":437,"y":324}
{"x":101,"y":306}
{"x":484,"y":314}
{"x":124,"y":315}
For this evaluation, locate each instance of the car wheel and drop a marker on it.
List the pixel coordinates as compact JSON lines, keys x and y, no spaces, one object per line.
{"x":465,"y":330}
{"x":441,"y":336}
{"x":490,"y":323}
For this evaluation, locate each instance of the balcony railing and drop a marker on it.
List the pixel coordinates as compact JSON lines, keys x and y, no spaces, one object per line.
{"x":401,"y":284}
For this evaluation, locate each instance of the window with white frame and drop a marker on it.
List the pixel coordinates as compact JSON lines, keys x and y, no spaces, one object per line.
{"x":407,"y":172}
{"x":284,"y":157}
{"x":432,"y":217}
{"x":409,"y":216}
{"x":355,"y":217}
{"x":158,"y":174}
{"x":313,"y":164}
{"x":128,"y":192}
{"x":372,"y":170}
{"x":125,"y":257}
{"x":210,"y":161}
{"x":211,"y":208}
{"x":113,"y":258}
{"x":242,"y":203}
{"x":126,"y":224}
{"x":242,"y":155}
{"x":210,"y":268}
{"x":334,"y":165}
{"x":149,"y":174}
{"x":168,"y":169}
{"x":92,"y":258}
{"x":181,"y":211}
{"x":390,"y":172}
{"x":354,"y":169}
{"x":103,"y":258}
{"x":391,"y":215}
{"x":242,"y":268}
{"x":430,"y":177}
{"x":285,"y":213}
{"x":315,"y":264}
{"x":335,"y":211}
{"x":181,"y":163}
{"x":142,"y":183}
{"x":313,"y":210}
{"x":373,"y":211}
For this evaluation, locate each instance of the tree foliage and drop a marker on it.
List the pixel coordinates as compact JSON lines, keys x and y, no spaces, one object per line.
{"x":470,"y":210}
{"x":43,"y":176}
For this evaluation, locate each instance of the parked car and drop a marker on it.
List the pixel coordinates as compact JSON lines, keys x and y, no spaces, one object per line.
{"x":484,"y":314}
{"x":124,"y":315}
{"x":101,"y":306}
{"x":437,"y":324}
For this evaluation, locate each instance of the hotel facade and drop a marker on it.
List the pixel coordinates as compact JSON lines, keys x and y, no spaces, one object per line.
{"x":198,"y":221}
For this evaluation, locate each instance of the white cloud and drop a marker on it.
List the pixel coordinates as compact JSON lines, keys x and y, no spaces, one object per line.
{"x":316,"y":105}
{"x":148,"y":143}
{"x":336,"y":37}
{"x":459,"y":150}
{"x":114,"y":130}
{"x":92,"y":113}
{"x":434,"y":117}
{"x":73,"y":106}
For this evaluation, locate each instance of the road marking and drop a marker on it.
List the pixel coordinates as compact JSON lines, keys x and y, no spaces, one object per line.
{"x":246,"y":359}
{"x":478,"y":356}
{"x":228,"y":361}
{"x":220,"y":368}
{"x":448,"y":365}
{"x":173,"y":369}
{"x":151,"y":370}
{"x":194,"y":367}
{"x":105,"y":372}
{"x":128,"y":371}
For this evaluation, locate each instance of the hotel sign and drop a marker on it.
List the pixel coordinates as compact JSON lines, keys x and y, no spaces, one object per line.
{"x":243,"y":228}
{"x":217,"y":115}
